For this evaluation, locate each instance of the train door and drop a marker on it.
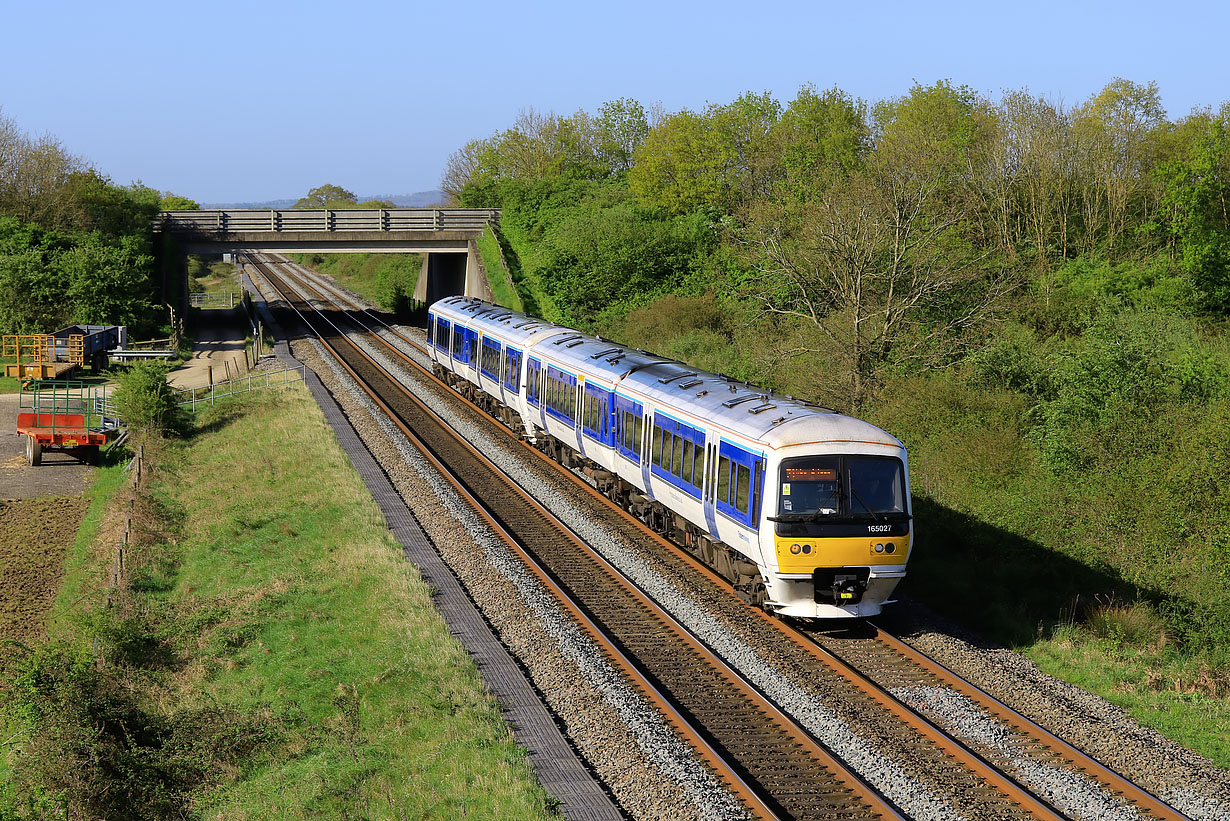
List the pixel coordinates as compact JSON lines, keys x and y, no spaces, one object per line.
{"x":646,"y":438}
{"x":533,"y":390}
{"x":471,"y":343}
{"x":710,"y":488}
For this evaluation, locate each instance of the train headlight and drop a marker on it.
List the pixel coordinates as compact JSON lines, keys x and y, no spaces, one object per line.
{"x":879,"y":548}
{"x":795,"y":549}
{"x":890,"y":548}
{"x":806,"y":548}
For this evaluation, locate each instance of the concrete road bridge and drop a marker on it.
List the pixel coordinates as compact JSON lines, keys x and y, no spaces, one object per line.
{"x":445,"y":236}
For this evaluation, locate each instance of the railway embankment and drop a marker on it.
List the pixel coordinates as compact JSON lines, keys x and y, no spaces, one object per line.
{"x":267,"y":650}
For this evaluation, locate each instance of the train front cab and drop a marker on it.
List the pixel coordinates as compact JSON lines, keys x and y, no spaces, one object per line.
{"x":839,"y":527}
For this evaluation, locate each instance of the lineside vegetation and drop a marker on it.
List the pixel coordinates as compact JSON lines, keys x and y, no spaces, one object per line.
{"x":1032,"y":296}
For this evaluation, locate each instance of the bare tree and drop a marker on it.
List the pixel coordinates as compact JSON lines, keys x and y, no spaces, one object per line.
{"x":878,"y":266}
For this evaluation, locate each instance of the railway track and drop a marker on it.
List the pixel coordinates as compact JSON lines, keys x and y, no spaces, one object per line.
{"x":882,"y":669}
{"x":771,"y":764}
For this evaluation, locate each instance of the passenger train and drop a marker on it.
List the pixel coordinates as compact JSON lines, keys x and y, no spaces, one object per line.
{"x":804,"y":510}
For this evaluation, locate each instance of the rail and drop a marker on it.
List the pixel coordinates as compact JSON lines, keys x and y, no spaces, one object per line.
{"x":235,"y":220}
{"x":208,"y":394}
{"x":766,"y":759}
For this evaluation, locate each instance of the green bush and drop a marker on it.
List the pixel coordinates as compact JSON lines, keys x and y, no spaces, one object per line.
{"x":145,"y":401}
{"x":92,"y":748}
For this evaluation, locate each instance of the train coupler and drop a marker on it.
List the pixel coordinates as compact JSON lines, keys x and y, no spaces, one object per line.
{"x":840,"y":585}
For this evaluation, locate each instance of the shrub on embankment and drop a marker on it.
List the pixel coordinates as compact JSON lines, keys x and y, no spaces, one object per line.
{"x":269,"y":652}
{"x":1045,"y":326}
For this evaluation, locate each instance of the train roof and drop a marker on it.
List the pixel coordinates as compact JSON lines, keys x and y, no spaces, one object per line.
{"x":776,"y":420}
{"x":513,"y":326}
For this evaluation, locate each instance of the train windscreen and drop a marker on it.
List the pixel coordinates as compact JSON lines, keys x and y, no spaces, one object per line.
{"x":827,"y":488}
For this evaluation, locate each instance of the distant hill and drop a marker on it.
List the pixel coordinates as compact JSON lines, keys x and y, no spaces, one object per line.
{"x":422,"y":199}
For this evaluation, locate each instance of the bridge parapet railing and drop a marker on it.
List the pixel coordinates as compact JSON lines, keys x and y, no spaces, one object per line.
{"x":235,"y":220}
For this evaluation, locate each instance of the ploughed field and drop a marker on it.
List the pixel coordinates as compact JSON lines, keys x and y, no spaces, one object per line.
{"x":35,"y":535}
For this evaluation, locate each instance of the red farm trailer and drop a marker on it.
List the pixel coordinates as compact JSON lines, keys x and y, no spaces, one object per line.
{"x":68,"y":417}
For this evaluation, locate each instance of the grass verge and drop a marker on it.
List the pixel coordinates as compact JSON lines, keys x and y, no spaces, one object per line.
{"x":271,"y":633}
{"x":498,"y":276}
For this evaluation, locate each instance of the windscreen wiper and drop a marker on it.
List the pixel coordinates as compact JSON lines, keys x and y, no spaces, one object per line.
{"x":866,"y":508}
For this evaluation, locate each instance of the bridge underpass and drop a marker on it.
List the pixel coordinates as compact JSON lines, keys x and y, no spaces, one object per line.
{"x":444,"y":237}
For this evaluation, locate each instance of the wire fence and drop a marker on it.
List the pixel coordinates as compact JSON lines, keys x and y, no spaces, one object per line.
{"x":208,"y":394}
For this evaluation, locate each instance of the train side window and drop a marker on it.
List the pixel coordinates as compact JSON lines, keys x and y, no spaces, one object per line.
{"x":677,"y":454}
{"x":724,"y":480}
{"x":702,"y":461}
{"x":640,"y":427}
{"x":689,"y":451}
{"x":743,"y":484}
{"x":657,"y":445}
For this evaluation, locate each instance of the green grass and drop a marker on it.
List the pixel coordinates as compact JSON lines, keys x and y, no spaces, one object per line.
{"x":290,"y":595}
{"x":385,"y":279}
{"x":498,"y":277}
{"x":9,"y":384}
{"x":212,"y":276}
{"x":1176,"y":697}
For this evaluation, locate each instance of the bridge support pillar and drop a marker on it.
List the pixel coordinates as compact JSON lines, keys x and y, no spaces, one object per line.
{"x":451,"y":274}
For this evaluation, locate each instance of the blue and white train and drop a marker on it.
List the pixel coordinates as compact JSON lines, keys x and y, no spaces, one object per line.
{"x":805,"y":511}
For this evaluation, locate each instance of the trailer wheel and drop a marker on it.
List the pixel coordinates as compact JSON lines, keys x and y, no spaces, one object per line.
{"x":34,"y":452}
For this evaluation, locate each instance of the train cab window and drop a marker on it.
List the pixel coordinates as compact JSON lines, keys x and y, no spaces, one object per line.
{"x":743,"y":484}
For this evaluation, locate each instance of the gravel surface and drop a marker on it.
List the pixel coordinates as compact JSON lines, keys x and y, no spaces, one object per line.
{"x":649,"y":771}
{"x":1074,"y":794}
{"x":1184,"y":779}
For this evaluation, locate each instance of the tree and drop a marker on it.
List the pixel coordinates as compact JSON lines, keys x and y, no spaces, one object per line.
{"x":820,"y":137}
{"x":878,"y":263}
{"x":463,"y":169}
{"x":621,"y":129}
{"x":1114,"y":129}
{"x":174,"y":202}
{"x":719,"y":159}
{"x":1196,"y":197}
{"x":327,"y":196}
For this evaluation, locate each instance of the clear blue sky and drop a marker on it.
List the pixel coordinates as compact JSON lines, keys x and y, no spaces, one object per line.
{"x":228,"y":101}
